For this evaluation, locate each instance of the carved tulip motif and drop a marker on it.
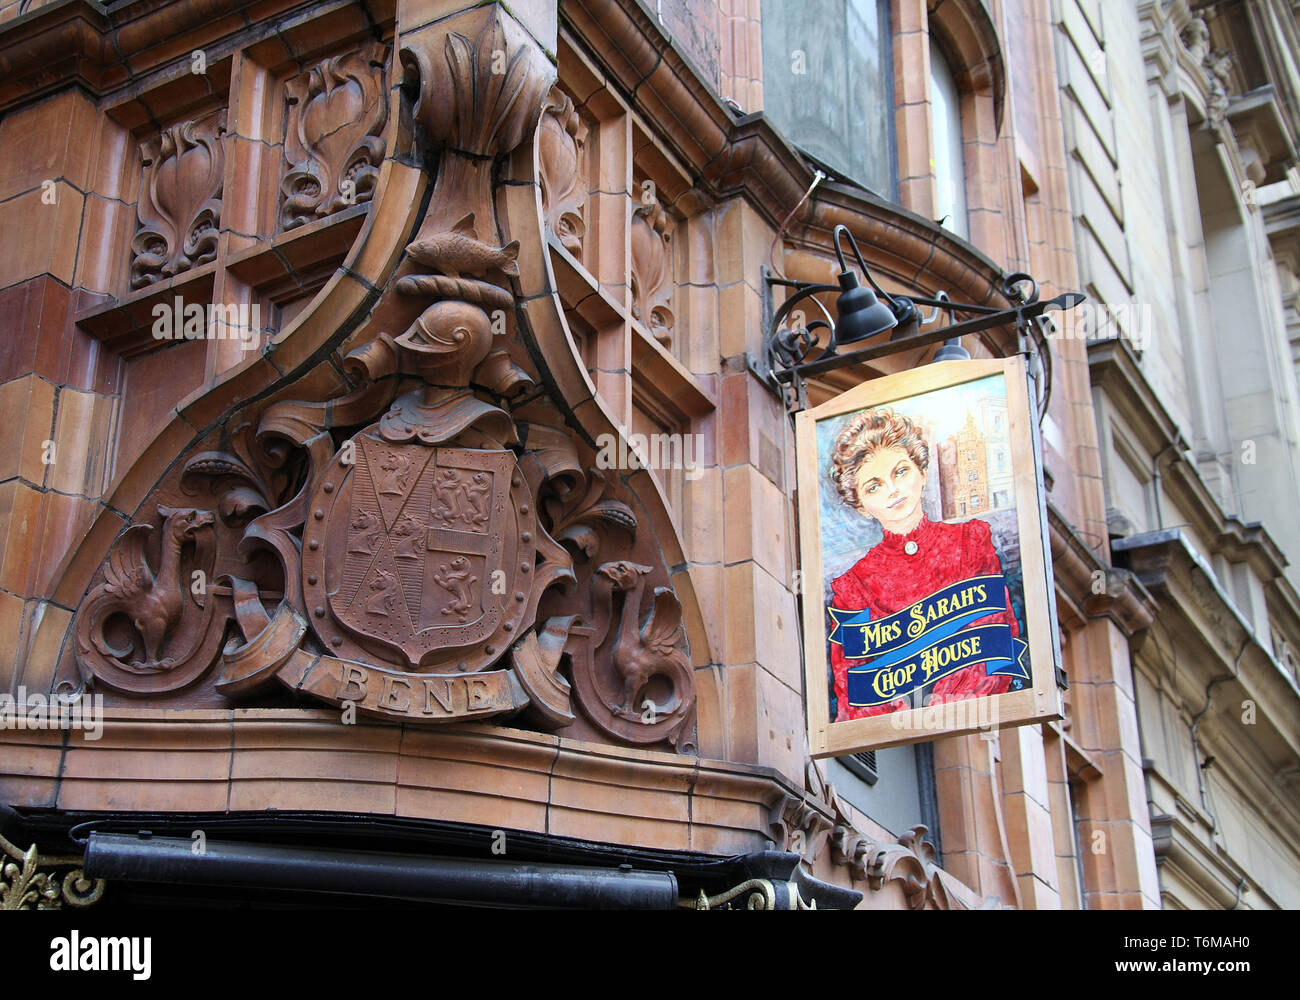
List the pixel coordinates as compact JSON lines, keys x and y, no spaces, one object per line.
{"x":561,"y":139}
{"x":652,"y":280}
{"x":338,"y":110}
{"x":180,"y":200}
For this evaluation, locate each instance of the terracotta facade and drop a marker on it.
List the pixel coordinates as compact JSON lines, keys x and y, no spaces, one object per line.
{"x":439,"y":231}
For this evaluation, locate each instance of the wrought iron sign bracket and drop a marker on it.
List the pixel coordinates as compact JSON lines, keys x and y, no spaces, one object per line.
{"x":784,"y":364}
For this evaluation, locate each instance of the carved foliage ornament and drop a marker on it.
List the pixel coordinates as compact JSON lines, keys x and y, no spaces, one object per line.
{"x":337,"y":113}
{"x":652,"y":270}
{"x":180,"y":200}
{"x":806,"y":824}
{"x":434,"y":544}
{"x":562,"y":140}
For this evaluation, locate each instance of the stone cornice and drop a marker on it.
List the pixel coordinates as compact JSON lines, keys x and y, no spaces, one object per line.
{"x":1177,"y":846}
{"x":1114,"y":369}
{"x":650,"y":798}
{"x":1182,"y":836}
{"x":1194,"y":607}
{"x":77,"y":42}
{"x":1075,"y":567}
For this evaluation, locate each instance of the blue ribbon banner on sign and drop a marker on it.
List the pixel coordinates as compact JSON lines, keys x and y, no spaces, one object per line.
{"x":928,"y":641}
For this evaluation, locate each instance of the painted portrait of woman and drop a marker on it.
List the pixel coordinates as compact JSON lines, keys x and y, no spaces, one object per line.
{"x":878,"y":466}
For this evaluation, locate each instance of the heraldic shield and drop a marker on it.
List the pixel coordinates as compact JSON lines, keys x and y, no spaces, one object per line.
{"x":425,"y":550}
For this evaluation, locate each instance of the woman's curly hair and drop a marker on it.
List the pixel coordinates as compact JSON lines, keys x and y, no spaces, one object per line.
{"x":867,"y":433}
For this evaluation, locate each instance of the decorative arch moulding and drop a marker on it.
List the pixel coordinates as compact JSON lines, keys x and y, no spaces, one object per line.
{"x":431,"y":540}
{"x":969,"y":38}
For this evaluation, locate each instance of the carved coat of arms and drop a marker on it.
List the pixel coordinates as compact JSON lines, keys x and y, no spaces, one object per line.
{"x":422,"y":551}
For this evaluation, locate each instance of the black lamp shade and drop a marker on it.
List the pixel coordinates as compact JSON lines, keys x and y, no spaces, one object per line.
{"x":862,"y":315}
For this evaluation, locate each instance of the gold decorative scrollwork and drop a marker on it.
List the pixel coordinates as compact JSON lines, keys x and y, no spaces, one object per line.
{"x":762,"y":895}
{"x":23,"y":886}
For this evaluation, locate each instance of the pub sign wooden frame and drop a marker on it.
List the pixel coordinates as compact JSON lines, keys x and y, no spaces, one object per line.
{"x":945,"y":623}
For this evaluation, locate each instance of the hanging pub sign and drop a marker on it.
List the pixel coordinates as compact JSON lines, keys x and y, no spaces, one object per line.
{"x":927,"y":601}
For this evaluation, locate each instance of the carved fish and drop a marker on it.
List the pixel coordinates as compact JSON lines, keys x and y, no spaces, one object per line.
{"x":459,"y":251}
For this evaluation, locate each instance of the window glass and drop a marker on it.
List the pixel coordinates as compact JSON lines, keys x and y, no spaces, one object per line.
{"x":949,"y":167}
{"x":828,"y":84}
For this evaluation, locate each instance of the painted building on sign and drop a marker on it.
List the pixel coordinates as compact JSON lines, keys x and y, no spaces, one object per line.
{"x":463,"y":532}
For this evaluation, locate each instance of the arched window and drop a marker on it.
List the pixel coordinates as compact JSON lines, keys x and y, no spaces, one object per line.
{"x":946,"y":139}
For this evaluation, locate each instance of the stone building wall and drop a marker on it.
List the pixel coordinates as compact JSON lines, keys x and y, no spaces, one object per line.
{"x":1177,"y":118}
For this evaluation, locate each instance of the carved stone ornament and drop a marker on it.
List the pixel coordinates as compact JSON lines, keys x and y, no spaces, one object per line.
{"x":1196,"y":39}
{"x":652,"y":270}
{"x":30,"y":881}
{"x":806,"y":824}
{"x":432,"y":542}
{"x":333,"y":140}
{"x":180,"y":200}
{"x":1218,"y":73}
{"x":562,"y":140}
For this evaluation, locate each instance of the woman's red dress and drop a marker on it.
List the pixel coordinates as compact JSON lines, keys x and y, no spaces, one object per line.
{"x":888,"y":580}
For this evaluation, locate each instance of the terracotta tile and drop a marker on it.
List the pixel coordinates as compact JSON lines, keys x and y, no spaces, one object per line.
{"x":12,"y":612}
{"x":482,"y":808}
{"x":708,"y":581}
{"x":172,"y":53}
{"x":701,"y":646}
{"x":738,"y":638}
{"x":20,"y":310}
{"x":32,"y":152}
{"x":19,"y":559}
{"x":1097,"y":859}
{"x":81,"y":441}
{"x":311,"y":36}
{"x":605,"y":249}
{"x":738,"y":685}
{"x":313,"y":764}
{"x":106,"y":233}
{"x":651,"y":808}
{"x":915,"y":157}
{"x":40,"y":237}
{"x":709,"y":710}
{"x":397,"y":198}
{"x":756,"y":521}
{"x":741,"y":329}
{"x":153,"y":385}
{"x":728,"y":246}
{"x":64,"y":521}
{"x":1035,"y":894}
{"x":29,"y":793}
{"x":142,"y":796}
{"x":27,"y":409}
{"x":776,"y":629}
{"x":71,"y":578}
{"x":50,"y":624}
{"x":341,"y":297}
{"x":697,"y":337}
{"x":780,"y":728}
{"x":703,"y":501}
{"x":31,"y":753}
{"x":133,"y":480}
{"x":115,"y":158}
{"x":694,"y":259}
{"x":1029,"y":835}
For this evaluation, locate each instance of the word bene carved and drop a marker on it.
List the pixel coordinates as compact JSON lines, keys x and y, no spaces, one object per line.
{"x":436,"y":542}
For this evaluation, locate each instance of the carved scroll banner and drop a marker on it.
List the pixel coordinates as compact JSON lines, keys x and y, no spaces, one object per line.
{"x":410,"y":697}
